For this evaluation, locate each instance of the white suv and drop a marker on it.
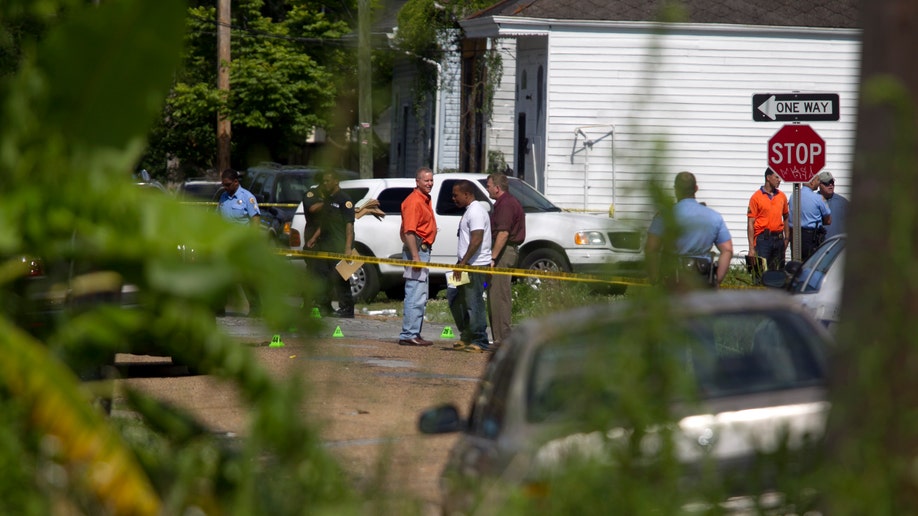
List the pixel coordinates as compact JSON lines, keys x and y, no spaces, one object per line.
{"x":555,"y":240}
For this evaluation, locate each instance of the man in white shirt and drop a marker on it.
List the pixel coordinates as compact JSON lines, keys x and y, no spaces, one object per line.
{"x":468,"y":306}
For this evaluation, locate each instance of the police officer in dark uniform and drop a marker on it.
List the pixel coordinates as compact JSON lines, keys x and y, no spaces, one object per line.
{"x":332,"y":211}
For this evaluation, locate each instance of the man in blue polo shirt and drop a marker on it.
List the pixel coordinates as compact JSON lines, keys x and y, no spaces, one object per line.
{"x":238,"y":205}
{"x":679,"y":242}
{"x":815,"y":215}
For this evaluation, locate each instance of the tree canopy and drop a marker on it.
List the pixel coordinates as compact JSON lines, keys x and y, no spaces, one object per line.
{"x":290,"y":64}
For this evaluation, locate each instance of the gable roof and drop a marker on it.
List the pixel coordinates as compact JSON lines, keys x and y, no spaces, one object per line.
{"x":780,"y":13}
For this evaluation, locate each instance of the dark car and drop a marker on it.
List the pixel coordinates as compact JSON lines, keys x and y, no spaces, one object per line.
{"x":732,"y":380}
{"x":279,"y":189}
{"x":201,"y":189}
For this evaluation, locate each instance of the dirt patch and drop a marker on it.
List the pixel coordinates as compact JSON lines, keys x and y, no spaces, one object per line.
{"x":364,"y":394}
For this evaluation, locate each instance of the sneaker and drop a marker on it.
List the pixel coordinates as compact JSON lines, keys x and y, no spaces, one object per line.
{"x":475,"y":348}
{"x":459,"y":345}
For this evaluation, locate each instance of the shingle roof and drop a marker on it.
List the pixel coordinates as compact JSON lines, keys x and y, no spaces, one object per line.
{"x":789,"y":13}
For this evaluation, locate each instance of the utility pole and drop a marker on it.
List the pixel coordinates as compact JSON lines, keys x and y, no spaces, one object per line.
{"x":364,"y":89}
{"x":224,"y":130}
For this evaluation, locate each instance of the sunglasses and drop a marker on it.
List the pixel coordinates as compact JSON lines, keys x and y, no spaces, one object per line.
{"x":830,"y":183}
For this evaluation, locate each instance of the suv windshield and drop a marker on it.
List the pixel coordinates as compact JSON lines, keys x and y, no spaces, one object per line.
{"x":530,"y":198}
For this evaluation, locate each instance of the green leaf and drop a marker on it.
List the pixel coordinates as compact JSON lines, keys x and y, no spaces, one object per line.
{"x":84,"y":440}
{"x":109,"y":69}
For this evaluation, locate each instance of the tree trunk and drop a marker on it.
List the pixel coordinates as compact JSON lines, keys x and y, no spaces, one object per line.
{"x":873,"y":429}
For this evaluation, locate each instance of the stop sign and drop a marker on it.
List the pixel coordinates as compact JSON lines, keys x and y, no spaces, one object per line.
{"x":796,"y":153}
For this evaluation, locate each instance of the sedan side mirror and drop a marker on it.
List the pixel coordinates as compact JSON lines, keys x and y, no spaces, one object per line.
{"x":443,"y":419}
{"x":774,"y":279}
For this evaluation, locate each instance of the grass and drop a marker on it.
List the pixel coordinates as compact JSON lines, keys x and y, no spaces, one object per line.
{"x":534,"y":300}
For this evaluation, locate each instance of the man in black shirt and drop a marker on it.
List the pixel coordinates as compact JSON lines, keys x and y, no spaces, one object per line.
{"x":333,"y":212}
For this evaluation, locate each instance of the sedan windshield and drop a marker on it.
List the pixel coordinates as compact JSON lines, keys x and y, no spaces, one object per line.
{"x":613,"y":364}
{"x":814,"y":270}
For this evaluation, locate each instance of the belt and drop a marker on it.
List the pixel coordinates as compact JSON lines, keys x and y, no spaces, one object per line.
{"x":423,"y":246}
{"x":772,"y":234}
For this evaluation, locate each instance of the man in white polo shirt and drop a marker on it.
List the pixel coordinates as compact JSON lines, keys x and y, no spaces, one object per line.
{"x":468,"y":308}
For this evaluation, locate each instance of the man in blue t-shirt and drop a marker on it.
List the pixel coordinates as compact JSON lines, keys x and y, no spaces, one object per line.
{"x":679,"y":242}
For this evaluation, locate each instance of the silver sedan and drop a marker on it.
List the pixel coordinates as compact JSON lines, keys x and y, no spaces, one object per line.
{"x":726,"y":389}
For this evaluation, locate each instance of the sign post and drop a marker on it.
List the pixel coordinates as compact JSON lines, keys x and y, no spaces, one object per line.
{"x":796,"y":153}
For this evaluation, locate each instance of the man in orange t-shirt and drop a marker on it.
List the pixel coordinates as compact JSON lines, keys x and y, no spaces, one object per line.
{"x":766,"y":228}
{"x":418,"y":232}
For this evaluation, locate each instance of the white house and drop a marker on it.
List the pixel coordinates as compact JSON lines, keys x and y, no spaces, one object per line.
{"x":606,"y":98}
{"x":424,"y":126}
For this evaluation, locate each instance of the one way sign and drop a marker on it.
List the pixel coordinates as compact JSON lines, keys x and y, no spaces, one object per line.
{"x":794,"y":107}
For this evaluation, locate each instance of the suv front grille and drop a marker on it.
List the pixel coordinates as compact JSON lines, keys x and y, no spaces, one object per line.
{"x":630,"y":240}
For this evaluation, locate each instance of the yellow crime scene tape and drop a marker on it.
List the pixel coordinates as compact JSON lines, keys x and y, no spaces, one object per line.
{"x":525,"y":273}
{"x":260,"y":205}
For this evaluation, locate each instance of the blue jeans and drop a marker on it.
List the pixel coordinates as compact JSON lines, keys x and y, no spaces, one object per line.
{"x":772,"y":250}
{"x":416,"y":292}
{"x":467,"y":305}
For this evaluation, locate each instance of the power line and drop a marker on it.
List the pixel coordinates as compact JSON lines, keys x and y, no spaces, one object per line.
{"x":247,"y":32}
{"x":346,"y":40}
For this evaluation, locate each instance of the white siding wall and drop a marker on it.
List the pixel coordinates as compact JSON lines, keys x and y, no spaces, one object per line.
{"x":501,"y":131}
{"x":450,"y":107}
{"x":695,"y":97}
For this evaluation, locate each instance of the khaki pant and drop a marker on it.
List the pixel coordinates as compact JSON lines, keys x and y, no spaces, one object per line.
{"x":500,"y":301}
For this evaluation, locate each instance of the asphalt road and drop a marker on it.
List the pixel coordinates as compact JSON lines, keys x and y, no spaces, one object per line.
{"x":365,"y":394}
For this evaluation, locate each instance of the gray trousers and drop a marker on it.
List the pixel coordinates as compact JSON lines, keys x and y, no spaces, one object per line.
{"x":500,"y":302}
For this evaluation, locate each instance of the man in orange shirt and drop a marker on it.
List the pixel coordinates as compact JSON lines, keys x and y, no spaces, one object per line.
{"x":766,"y":229}
{"x":418,"y":232}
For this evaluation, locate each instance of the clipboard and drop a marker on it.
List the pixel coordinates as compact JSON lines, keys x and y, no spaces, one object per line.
{"x":347,"y":268}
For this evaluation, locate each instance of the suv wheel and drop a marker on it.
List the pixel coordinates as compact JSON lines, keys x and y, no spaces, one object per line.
{"x":543,"y":260}
{"x":365,"y":283}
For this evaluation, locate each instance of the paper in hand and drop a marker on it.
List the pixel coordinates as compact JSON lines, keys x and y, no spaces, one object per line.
{"x":452,"y":282}
{"x":347,"y":268}
{"x":412,"y":273}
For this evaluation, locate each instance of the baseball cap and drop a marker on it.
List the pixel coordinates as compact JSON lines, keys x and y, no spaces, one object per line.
{"x":825,"y":176}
